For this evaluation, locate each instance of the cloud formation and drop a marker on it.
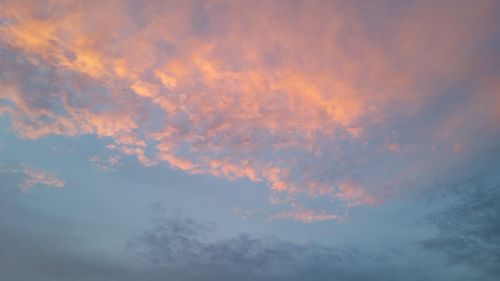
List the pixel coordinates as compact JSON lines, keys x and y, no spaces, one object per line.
{"x":307,"y":96}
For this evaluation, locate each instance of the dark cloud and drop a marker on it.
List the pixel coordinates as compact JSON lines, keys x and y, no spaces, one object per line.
{"x":183,"y":245}
{"x":469,"y":227}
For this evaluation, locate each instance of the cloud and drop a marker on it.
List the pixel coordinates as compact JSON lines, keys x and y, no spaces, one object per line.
{"x":184,"y":249}
{"x":110,"y":164}
{"x":297,"y":95}
{"x":180,"y":244}
{"x":468,"y":226}
{"x":31,"y":177}
{"x":34,"y":177}
{"x":242,"y":213}
{"x":307,"y":215}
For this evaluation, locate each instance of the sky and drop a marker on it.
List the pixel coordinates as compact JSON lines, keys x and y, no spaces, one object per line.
{"x":249,"y":140}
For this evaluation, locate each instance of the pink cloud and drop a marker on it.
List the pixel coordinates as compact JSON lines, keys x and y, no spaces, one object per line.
{"x":290,"y":97}
{"x":34,"y":177}
{"x":354,"y":193}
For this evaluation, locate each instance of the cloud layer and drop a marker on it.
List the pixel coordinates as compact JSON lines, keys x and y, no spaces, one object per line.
{"x":309,"y":97}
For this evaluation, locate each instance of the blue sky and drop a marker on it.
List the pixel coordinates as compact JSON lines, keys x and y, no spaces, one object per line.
{"x":249,"y":140}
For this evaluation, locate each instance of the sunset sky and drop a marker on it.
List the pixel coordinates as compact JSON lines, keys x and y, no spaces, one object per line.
{"x":249,"y":140}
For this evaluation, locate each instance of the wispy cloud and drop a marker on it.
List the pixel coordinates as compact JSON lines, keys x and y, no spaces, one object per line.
{"x":242,"y":213}
{"x":34,"y":177}
{"x":308,"y":215}
{"x":30,"y":176}
{"x":110,"y":164}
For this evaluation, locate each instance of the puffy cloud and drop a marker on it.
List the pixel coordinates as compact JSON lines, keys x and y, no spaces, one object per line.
{"x":293,"y":94}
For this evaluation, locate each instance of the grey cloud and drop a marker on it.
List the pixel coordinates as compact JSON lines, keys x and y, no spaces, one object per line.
{"x":184,"y":245}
